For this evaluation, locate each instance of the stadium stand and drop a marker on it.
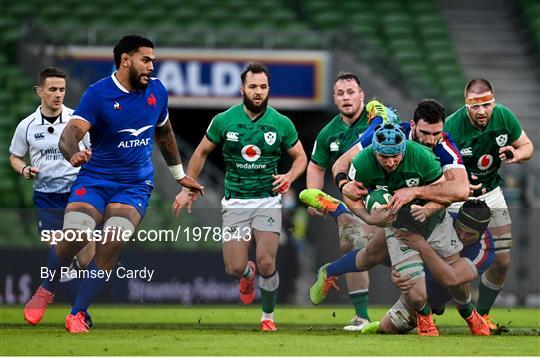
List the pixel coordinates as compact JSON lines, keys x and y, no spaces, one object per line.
{"x":410,"y":36}
{"x":411,"y":33}
{"x":531,"y":11}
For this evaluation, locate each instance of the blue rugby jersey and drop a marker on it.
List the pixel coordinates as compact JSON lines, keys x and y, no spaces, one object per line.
{"x":480,"y":254}
{"x":122,"y":131}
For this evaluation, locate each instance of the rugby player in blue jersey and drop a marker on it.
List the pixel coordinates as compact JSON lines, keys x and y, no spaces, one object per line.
{"x":124,"y":114}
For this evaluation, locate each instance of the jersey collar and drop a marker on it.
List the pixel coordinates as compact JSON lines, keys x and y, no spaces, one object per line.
{"x":259,"y":116}
{"x":63,"y":118}
{"x":118,"y":84}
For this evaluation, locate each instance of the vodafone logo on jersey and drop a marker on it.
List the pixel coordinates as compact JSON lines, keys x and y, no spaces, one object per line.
{"x":251,"y":153}
{"x":485,"y":162}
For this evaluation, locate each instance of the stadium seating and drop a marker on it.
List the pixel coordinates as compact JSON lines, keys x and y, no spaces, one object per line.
{"x":410,"y":33}
{"x":531,"y":12}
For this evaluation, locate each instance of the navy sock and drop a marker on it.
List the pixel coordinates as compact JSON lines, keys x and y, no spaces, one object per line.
{"x":341,"y":209}
{"x":91,"y":286}
{"x":71,"y":289}
{"x":54,"y":263}
{"x":345,"y":264}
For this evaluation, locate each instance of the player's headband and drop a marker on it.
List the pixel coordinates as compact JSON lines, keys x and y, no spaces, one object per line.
{"x":477,"y":101}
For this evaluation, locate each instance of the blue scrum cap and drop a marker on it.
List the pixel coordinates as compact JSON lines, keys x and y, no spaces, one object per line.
{"x":389,"y":140}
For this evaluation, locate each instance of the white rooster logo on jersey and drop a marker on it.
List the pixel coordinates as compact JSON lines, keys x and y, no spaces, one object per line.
{"x":136,"y":132}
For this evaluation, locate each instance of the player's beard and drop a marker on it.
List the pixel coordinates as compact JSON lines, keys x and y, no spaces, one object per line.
{"x":414,"y":137}
{"x":135,"y":80}
{"x":350,"y":113}
{"x":254,"y":108}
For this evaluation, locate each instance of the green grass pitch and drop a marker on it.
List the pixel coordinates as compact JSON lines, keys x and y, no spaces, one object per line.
{"x":233,"y":330}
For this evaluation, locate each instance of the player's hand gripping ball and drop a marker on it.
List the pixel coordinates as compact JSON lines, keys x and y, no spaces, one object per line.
{"x":376,"y":198}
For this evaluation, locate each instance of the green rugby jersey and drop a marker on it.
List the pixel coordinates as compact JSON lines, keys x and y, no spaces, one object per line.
{"x":251,"y":149}
{"x":336,"y":138}
{"x":480,"y":148}
{"x":419,"y":167}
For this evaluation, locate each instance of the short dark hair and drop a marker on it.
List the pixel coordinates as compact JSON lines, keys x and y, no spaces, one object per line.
{"x":254,"y":67}
{"x":129,"y":44}
{"x":478,"y":85}
{"x":50,"y":72}
{"x":429,"y":110}
{"x":348,"y":76}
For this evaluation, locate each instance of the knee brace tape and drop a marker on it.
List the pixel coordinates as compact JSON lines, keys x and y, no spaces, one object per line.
{"x":401,"y":318}
{"x":119,"y":222}
{"x":489,"y":284}
{"x":463,"y":302}
{"x":76,"y":220}
{"x":503,"y":243}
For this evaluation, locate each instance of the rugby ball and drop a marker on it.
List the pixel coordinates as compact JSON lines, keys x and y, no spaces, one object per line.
{"x":376,"y":198}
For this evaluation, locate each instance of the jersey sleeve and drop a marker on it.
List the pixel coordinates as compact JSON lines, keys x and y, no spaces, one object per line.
{"x":367,"y":136}
{"x":320,"y":154}
{"x":213,"y":133}
{"x":290,"y":135}
{"x":448,"y":153}
{"x":19,"y":144}
{"x":164,"y":114}
{"x":481,"y":254}
{"x":513,"y":126}
{"x":89,"y":107}
{"x":429,"y":166}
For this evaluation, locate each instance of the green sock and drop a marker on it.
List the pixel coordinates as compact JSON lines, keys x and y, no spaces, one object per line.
{"x":360,"y":303}
{"x":465,"y":310}
{"x":425,"y":311}
{"x":268,"y":300}
{"x":486,"y":298}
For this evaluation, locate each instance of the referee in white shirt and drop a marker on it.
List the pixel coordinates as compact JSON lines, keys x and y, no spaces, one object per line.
{"x":38,"y":135}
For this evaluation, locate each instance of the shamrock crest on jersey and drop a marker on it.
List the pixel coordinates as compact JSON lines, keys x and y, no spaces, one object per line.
{"x":251,"y":149}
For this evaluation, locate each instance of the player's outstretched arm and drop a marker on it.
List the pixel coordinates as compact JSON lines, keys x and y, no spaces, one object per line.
{"x":186,"y":197}
{"x":315,"y":180}
{"x":449,"y":275}
{"x":404,"y":196}
{"x":197,"y":160}
{"x":72,"y":134}
{"x":315,"y":176}
{"x":455,"y":188}
{"x":282,"y":182}
{"x":343,"y":163}
{"x":167,"y":145}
